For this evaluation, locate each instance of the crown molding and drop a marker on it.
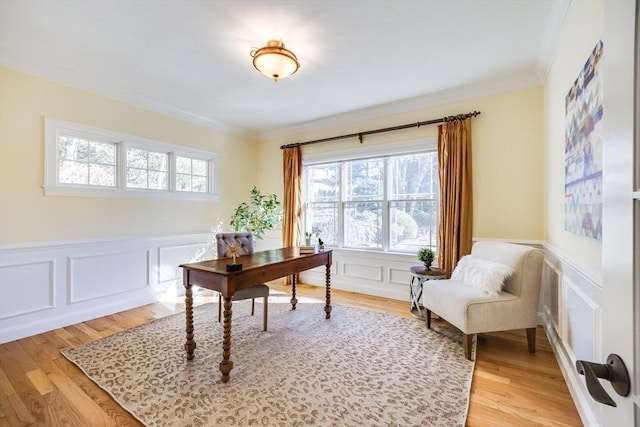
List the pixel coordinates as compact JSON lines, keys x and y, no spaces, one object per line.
{"x":555,"y":23}
{"x":48,"y":71}
{"x":458,"y":94}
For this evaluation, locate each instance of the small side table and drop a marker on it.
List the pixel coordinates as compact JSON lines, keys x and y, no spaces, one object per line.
{"x":419,"y":275}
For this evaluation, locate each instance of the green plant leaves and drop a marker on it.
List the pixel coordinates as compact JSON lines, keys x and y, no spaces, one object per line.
{"x":261,"y":215}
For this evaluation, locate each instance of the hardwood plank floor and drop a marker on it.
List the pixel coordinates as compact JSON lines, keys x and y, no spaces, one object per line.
{"x":39,"y":387}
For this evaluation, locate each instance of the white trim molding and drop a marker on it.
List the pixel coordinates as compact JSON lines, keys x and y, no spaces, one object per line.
{"x":573,"y":295}
{"x":52,"y":285}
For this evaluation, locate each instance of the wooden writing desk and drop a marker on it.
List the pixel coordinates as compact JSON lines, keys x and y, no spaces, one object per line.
{"x":258,"y":267}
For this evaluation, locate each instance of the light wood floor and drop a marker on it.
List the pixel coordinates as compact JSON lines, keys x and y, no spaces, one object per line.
{"x":39,"y":387}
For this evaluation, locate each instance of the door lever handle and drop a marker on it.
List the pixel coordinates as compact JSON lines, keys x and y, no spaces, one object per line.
{"x":614,"y":371}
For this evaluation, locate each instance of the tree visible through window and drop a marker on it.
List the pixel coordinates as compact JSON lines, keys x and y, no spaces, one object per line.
{"x":386,"y":203}
{"x":86,"y":162}
{"x":147,"y":169}
{"x":191,"y":175}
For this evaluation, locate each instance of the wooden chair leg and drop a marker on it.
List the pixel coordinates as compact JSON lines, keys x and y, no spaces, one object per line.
{"x":253,"y":305}
{"x":467,"y":341}
{"x":428,"y":318}
{"x":219,"y":307}
{"x":531,"y":339}
{"x":266,"y":313}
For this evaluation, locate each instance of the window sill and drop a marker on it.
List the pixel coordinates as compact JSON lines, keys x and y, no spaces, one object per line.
{"x":117,"y":193}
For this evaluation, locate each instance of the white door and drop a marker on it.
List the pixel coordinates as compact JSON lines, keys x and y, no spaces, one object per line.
{"x":621,"y":190}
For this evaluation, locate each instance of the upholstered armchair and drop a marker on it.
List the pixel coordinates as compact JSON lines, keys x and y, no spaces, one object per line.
{"x":496,"y":288}
{"x":223,"y":240}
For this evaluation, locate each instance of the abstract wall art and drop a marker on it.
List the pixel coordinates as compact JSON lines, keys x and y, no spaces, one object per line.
{"x":583,"y":150}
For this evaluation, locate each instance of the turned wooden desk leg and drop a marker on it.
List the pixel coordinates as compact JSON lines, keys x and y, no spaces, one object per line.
{"x":294,"y":300}
{"x":226,"y":365}
{"x":327,"y":307}
{"x":190,"y":345}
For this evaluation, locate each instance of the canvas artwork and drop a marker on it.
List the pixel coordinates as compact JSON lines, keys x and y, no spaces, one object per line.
{"x":583,"y":150}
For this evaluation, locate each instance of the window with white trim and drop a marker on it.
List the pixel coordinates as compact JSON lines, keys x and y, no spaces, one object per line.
{"x":191,"y":174}
{"x":387,"y":202}
{"x":92,"y":162}
{"x":147,"y":169}
{"x":85,"y":161}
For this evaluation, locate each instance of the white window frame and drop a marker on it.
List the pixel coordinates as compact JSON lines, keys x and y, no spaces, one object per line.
{"x":381,"y":150}
{"x":54,"y":128}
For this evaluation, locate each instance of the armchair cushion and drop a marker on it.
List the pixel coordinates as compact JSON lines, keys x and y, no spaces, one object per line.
{"x":488,"y":276}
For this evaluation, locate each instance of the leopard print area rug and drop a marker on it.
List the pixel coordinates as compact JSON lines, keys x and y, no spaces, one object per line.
{"x":359,"y":368}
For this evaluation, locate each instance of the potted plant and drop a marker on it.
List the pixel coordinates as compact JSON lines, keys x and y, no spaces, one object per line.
{"x":426,"y":255}
{"x":260,"y":215}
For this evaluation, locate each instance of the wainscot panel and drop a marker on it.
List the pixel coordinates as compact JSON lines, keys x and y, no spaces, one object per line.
{"x":571,"y":303}
{"x":27,"y":288}
{"x":52,"y":285}
{"x":367,"y":272}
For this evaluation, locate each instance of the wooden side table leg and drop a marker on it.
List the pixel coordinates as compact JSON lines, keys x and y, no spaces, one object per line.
{"x":294,"y":300}
{"x":190,"y":344}
{"x":226,"y":365}
{"x":327,"y":307}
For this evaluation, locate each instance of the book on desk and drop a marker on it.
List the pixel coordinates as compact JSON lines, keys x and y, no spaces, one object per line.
{"x":308,"y":249}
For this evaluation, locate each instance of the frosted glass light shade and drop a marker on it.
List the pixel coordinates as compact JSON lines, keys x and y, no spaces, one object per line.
{"x":274,"y":61}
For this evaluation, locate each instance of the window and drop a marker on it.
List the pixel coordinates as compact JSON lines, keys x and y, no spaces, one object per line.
{"x":386,"y":203}
{"x":191,"y":175}
{"x":91,"y":162}
{"x":147,"y":169}
{"x":88,"y":162}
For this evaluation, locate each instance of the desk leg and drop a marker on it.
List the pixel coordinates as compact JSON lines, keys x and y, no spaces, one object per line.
{"x":294,"y":300}
{"x":190,"y":345}
{"x":226,"y":365}
{"x":327,"y":307}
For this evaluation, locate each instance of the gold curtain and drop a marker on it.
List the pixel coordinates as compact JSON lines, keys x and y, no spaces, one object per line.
{"x":292,"y":206}
{"x":456,"y":201}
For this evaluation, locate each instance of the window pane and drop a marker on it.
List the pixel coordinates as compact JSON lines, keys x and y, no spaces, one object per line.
{"x":192,"y":175}
{"x":103,"y":153}
{"x":71,"y":148}
{"x":199,"y":167}
{"x":363,"y":225}
{"x":136,"y":178}
{"x":322,"y":218}
{"x":85,"y":162}
{"x":322,"y":183}
{"x":199,"y":184}
{"x":183,"y":182}
{"x":183,"y":165}
{"x":413,"y":224}
{"x":158,"y":180}
{"x":364,"y":179}
{"x":158,"y":161}
{"x":70,"y":172}
{"x":103,"y":175}
{"x":147,"y":169}
{"x":136,"y":158}
{"x":414,"y":176}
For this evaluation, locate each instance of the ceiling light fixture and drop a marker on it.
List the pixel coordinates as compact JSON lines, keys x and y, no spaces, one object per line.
{"x":274,"y":61}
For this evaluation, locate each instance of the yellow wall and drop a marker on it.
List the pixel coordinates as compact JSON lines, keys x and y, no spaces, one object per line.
{"x":582,"y":30}
{"x":27,"y":216}
{"x":507,"y":158}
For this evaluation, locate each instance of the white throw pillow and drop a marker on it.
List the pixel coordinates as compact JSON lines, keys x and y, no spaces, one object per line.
{"x":488,"y":276}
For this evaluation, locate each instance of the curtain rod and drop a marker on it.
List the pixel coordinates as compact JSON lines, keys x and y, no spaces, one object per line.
{"x":359,"y":135}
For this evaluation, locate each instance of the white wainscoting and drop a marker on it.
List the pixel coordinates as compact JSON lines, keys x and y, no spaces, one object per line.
{"x":51,"y":285}
{"x":374,"y":273}
{"x":571,"y":303}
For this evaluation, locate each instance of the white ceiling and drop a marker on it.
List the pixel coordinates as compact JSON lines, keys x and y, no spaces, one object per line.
{"x":191,"y":58}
